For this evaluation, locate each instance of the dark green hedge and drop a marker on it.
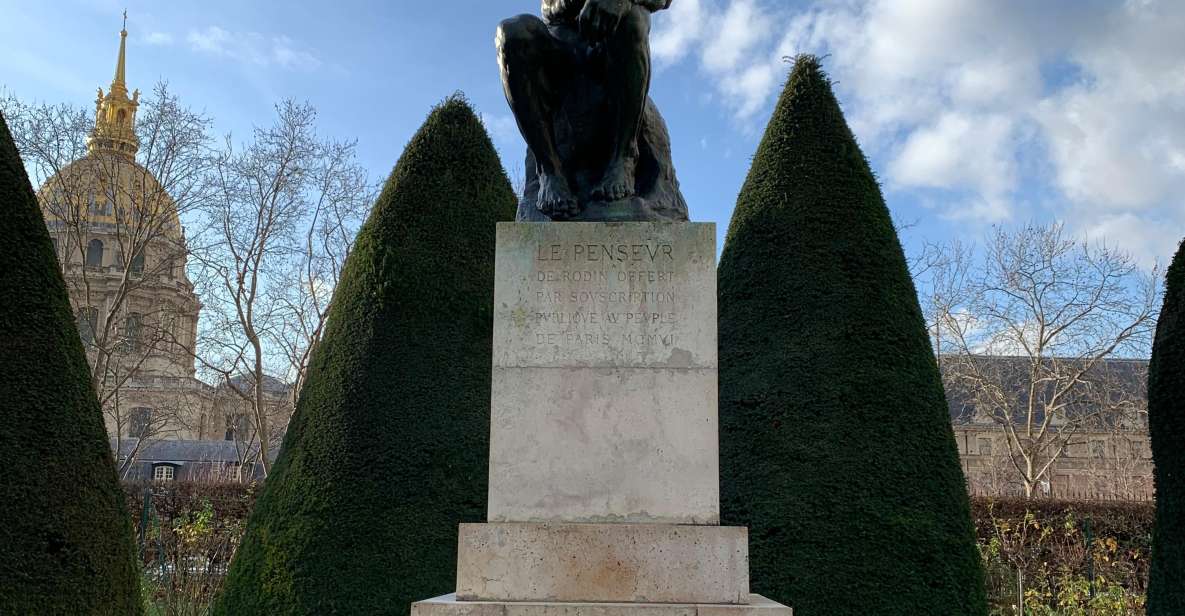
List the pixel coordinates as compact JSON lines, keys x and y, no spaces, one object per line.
{"x":387,"y":451}
{"x":1166,"y":423}
{"x":65,"y":535}
{"x":836,"y":446}
{"x":171,"y":499}
{"x":1128,"y":522}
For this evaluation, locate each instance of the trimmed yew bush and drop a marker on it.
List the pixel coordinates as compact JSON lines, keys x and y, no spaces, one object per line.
{"x":65,"y":534}
{"x":836,"y":446}
{"x":1166,"y":423}
{"x":387,"y":451}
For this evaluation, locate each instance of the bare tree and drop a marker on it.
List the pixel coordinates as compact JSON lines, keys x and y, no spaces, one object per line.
{"x":1025,"y":337}
{"x":340,"y":196}
{"x":274,"y":240}
{"x":115,"y":220}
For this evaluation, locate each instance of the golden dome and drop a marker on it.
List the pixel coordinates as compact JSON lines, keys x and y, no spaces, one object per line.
{"x":113,"y":192}
{"x":107,"y":189}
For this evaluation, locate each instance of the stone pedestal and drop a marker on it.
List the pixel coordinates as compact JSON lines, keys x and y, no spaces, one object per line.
{"x":448,"y":605}
{"x":604,"y":476}
{"x":640,"y":563}
{"x":604,"y":382}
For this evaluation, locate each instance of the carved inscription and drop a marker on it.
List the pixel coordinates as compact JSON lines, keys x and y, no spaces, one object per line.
{"x":618,"y":295}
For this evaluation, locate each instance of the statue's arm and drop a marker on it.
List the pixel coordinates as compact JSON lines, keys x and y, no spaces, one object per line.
{"x":653,"y":5}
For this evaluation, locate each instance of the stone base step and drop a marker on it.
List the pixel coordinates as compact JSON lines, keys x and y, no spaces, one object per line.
{"x":448,"y":605}
{"x":628,"y":563}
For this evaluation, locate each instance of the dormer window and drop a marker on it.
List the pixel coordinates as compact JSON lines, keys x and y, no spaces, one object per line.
{"x":164,"y":472}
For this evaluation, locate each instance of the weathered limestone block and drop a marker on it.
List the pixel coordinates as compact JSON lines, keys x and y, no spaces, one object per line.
{"x":448,"y":605}
{"x":604,"y":380}
{"x":642,"y":563}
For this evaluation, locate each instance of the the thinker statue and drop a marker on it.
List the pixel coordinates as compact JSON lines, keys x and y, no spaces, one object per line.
{"x":578,"y":81}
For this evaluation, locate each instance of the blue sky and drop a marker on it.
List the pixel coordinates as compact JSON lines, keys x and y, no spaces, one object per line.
{"x":973,"y":113}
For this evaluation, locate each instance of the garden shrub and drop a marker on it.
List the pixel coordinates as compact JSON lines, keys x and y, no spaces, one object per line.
{"x":836,"y":444}
{"x":387,"y":450}
{"x":65,"y":536}
{"x":1166,"y":425}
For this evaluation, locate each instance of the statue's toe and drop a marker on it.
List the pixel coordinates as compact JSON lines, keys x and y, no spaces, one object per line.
{"x":613,"y":189}
{"x":556,"y":200}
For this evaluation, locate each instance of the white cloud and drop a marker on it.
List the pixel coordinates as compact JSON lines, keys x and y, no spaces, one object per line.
{"x":683,"y":24}
{"x":1147,"y":237}
{"x":286,"y":54}
{"x":213,"y":40}
{"x":729,"y":40}
{"x":732,"y":36}
{"x":958,"y":150}
{"x":1020,"y":109}
{"x":1118,"y":138}
{"x":159,"y":38}
{"x":253,"y":48}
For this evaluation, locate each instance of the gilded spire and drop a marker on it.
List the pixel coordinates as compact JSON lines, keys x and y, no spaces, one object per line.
{"x":115,"y":113}
{"x":119,"y":82}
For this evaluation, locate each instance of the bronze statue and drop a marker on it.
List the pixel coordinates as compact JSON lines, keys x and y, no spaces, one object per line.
{"x":578,"y":81}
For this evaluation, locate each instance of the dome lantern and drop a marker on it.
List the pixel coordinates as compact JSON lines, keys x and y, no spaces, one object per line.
{"x":115,"y":112}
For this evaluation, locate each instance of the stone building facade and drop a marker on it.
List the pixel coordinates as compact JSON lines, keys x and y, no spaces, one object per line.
{"x":1110,"y":459}
{"x":122,"y":249}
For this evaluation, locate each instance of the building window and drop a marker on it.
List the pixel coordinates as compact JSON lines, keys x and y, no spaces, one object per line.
{"x":1098,"y":449}
{"x":88,"y":322}
{"x":985,"y":446}
{"x":133,"y":325}
{"x":98,"y":207}
{"x":139,"y":422}
{"x":238,"y":426}
{"x":163,"y":472}
{"x":137,"y":267}
{"x":94,"y":253}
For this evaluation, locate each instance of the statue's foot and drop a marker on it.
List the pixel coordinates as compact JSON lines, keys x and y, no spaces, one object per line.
{"x":615,"y":184}
{"x":555,"y":197}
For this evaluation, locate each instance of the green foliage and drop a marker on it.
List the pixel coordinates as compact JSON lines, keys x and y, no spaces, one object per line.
{"x":64,"y":530}
{"x":1166,"y":423}
{"x":387,"y":451}
{"x":836,"y":446}
{"x":185,"y":553}
{"x":1075,"y":595}
{"x":1075,"y":557}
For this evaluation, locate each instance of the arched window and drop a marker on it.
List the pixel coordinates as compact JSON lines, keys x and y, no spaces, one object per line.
{"x":94,"y":253}
{"x":139,"y":422}
{"x":137,"y":267}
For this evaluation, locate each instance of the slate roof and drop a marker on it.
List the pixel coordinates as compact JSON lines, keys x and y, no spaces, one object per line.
{"x":1124,"y":379}
{"x":190,"y":459}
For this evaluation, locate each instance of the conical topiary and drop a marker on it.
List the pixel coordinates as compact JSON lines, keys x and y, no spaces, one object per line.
{"x":836,"y":446}
{"x":1166,"y":423}
{"x":387,"y":451}
{"x":65,"y":533}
